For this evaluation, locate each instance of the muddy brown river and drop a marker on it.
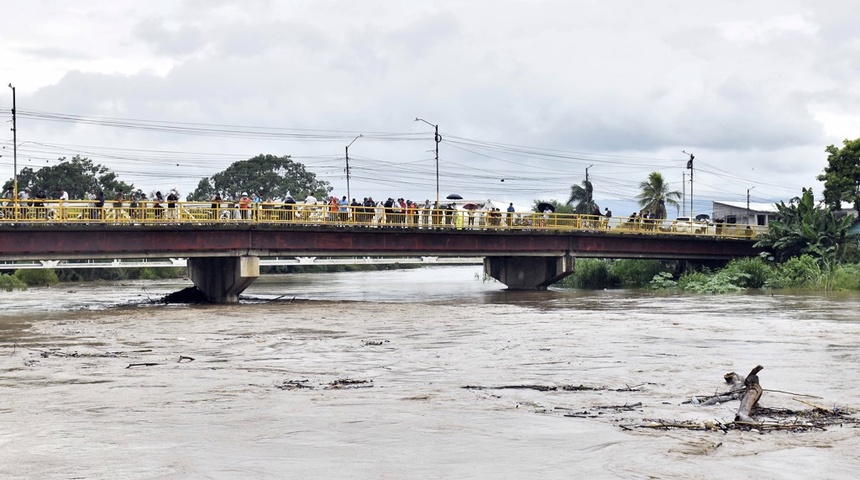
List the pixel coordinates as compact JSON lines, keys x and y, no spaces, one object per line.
{"x":421,"y":374}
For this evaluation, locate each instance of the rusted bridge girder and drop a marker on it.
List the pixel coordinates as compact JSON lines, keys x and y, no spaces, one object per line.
{"x":520,"y":259}
{"x":104,"y":241}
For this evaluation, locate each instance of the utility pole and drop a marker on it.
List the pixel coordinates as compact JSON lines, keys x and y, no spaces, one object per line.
{"x":588,"y":187}
{"x":683,"y":191}
{"x":346,"y":151}
{"x":438,"y":139}
{"x":690,"y":166}
{"x":749,"y":213}
{"x":14,"y":152}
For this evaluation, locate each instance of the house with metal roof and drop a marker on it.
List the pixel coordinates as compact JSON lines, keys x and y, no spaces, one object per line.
{"x":744,"y":213}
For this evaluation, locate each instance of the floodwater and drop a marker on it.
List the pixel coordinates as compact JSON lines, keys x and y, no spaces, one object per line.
{"x":362,"y":375}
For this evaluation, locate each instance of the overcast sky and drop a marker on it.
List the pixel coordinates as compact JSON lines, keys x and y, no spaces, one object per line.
{"x":527,"y":95}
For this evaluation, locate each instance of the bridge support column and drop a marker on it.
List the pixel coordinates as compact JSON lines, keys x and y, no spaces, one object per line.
{"x":222,"y":279}
{"x":528,"y":273}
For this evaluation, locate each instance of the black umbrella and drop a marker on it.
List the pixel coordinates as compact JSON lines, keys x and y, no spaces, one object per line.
{"x":542,"y":207}
{"x":454,"y":196}
{"x":471,"y":206}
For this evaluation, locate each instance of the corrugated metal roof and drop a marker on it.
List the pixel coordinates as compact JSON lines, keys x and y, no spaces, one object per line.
{"x":754,"y":206}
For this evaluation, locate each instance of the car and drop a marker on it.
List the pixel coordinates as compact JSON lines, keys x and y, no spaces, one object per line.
{"x":685,"y":225}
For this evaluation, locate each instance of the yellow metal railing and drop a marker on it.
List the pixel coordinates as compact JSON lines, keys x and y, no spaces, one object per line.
{"x":148,"y":213}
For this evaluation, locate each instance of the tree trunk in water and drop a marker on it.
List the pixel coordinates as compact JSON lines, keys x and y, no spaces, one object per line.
{"x":750,"y":397}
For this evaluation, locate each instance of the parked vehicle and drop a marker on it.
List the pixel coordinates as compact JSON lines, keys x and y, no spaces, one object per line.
{"x":685,"y":225}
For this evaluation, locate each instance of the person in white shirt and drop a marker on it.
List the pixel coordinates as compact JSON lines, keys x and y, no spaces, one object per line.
{"x":64,"y":198}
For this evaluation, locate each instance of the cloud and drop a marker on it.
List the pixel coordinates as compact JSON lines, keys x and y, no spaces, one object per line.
{"x":761,"y":86}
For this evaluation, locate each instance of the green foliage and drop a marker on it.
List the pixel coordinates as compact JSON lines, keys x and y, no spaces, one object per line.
{"x":559,"y":207}
{"x":635,"y":272}
{"x":804,"y":228}
{"x":590,"y":273}
{"x":583,"y":197}
{"x":265,"y":175}
{"x":114,"y":274}
{"x":724,"y":281}
{"x":656,"y":195}
{"x":751,"y":272}
{"x":800,"y":272}
{"x":598,"y":274}
{"x":11,"y":282}
{"x":76,"y":176}
{"x":841,"y":177}
{"x":149,"y":273}
{"x":846,"y":277}
{"x":42,"y":277}
{"x":663,"y":281}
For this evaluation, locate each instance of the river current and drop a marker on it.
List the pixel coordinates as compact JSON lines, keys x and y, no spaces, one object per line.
{"x":430,"y":373}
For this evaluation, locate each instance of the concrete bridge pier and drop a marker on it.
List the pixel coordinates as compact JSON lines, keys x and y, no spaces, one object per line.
{"x":222,"y":279}
{"x":529,"y":273}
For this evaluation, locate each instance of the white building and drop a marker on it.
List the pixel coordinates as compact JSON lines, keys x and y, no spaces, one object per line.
{"x":743,"y":213}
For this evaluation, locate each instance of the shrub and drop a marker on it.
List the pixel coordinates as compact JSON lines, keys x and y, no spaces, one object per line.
{"x":37,"y":276}
{"x":590,"y":273}
{"x":847,"y":277}
{"x":663,"y":280}
{"x":11,"y":282}
{"x":635,"y":273}
{"x":801,"y":272}
{"x":750,"y":272}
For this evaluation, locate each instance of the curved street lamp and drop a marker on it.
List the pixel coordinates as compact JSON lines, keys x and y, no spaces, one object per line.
{"x":438,"y":139}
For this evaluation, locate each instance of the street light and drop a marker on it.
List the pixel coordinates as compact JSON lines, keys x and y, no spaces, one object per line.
{"x":690,"y":166}
{"x":438,"y":139}
{"x":14,"y":150}
{"x":346,"y":150}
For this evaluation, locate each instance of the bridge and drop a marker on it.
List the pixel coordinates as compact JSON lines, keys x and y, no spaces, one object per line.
{"x":224,"y":246}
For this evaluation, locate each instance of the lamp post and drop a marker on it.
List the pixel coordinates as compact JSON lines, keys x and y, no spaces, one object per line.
{"x":438,"y":139}
{"x":690,"y":166}
{"x":346,"y":150}
{"x":14,"y":151}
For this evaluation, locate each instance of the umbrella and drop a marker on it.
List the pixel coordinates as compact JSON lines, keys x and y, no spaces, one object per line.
{"x":454,"y":196}
{"x":470,"y":206}
{"x":703,"y":217}
{"x":542,"y":207}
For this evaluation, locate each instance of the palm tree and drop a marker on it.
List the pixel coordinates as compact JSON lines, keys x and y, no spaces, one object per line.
{"x":581,"y":195}
{"x":656,"y":195}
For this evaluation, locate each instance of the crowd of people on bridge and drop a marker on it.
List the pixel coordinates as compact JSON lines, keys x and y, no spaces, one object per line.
{"x":157,"y":207}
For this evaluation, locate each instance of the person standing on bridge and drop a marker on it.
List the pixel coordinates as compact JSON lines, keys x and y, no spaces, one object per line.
{"x":216,"y":206}
{"x":244,"y":206}
{"x":64,"y":202}
{"x":172,"y":197}
{"x":100,"y":204}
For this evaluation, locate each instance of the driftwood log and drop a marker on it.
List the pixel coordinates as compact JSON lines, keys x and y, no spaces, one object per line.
{"x":750,"y":396}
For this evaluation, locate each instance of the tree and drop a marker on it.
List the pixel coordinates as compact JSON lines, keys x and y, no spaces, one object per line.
{"x":656,"y":195}
{"x":802,"y":227}
{"x":76,"y":176}
{"x":841,"y":176}
{"x":582,"y":196}
{"x":265,"y":175}
{"x":559,"y":207}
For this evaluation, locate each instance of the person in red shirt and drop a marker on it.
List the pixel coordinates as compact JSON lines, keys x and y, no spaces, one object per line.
{"x":244,"y":206}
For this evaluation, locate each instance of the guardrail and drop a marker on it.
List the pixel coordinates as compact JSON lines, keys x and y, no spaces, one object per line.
{"x":142,"y":214}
